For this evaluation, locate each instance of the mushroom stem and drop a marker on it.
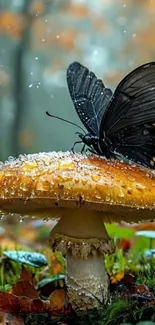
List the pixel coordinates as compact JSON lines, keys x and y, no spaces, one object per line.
{"x":87,"y":281}
{"x":81,"y":236}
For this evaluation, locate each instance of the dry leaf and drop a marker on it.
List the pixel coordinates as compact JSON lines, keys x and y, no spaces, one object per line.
{"x":9,"y":303}
{"x":24,"y":289}
{"x":26,"y":276}
{"x":59,"y":303}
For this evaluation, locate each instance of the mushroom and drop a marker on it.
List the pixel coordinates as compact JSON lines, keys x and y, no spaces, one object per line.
{"x":83,"y":192}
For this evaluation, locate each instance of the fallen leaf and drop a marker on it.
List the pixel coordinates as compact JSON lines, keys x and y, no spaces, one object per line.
{"x":25,"y":304}
{"x":24,"y":289}
{"x":37,"y":306}
{"x":9,"y":303}
{"x":59,"y":303}
{"x":128,"y":280}
{"x":28,"y":305}
{"x":117,"y":277}
{"x":141,"y":290}
{"x":26,"y":276}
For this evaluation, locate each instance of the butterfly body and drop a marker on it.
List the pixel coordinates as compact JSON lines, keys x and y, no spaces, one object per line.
{"x":119,"y":125}
{"x":96,"y":145}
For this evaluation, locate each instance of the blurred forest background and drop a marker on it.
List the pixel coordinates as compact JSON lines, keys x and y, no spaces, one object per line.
{"x":39,"y":39}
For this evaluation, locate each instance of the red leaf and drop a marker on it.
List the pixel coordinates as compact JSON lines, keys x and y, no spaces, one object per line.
{"x":33,"y":306}
{"x":128,"y":280}
{"x":26,"y":276}
{"x":125,"y":244}
{"x":13,"y":304}
{"x":9,"y":303}
{"x":25,"y":304}
{"x":141,"y":289}
{"x":37,"y":306}
{"x":25,"y":289}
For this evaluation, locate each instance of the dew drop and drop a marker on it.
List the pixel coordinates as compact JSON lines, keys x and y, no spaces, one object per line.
{"x":140,"y":187}
{"x":96,"y":178}
{"x":1,"y":216}
{"x":11,"y":159}
{"x":107,"y":199}
{"x":21,"y":219}
{"x":45,"y":220}
{"x":121,"y":194}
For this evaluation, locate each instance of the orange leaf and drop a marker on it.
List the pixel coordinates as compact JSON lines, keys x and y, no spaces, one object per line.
{"x":117,"y":277}
{"x":59,"y":303}
{"x":25,"y":289}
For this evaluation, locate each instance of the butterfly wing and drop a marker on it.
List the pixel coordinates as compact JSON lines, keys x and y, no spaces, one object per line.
{"x":136,"y":143}
{"x":89,"y":95}
{"x":128,"y":120}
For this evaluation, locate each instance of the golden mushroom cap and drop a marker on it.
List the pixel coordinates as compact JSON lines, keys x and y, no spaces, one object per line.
{"x":44,"y":181}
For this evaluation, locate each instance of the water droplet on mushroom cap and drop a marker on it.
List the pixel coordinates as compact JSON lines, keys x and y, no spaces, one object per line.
{"x":49,"y":180}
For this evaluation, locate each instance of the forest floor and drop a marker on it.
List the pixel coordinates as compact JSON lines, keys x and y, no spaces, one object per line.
{"x":32,"y":277}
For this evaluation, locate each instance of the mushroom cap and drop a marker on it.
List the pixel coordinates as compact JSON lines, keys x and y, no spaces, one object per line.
{"x":41,"y":182}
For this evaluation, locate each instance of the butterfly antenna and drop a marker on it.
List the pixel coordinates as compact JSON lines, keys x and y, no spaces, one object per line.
{"x":62,"y":119}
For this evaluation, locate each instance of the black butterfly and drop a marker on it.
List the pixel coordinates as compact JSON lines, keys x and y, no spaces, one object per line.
{"x":120,"y":124}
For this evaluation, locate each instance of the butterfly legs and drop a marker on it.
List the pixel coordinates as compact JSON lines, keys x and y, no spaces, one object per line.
{"x":72,"y":149}
{"x":92,"y":151}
